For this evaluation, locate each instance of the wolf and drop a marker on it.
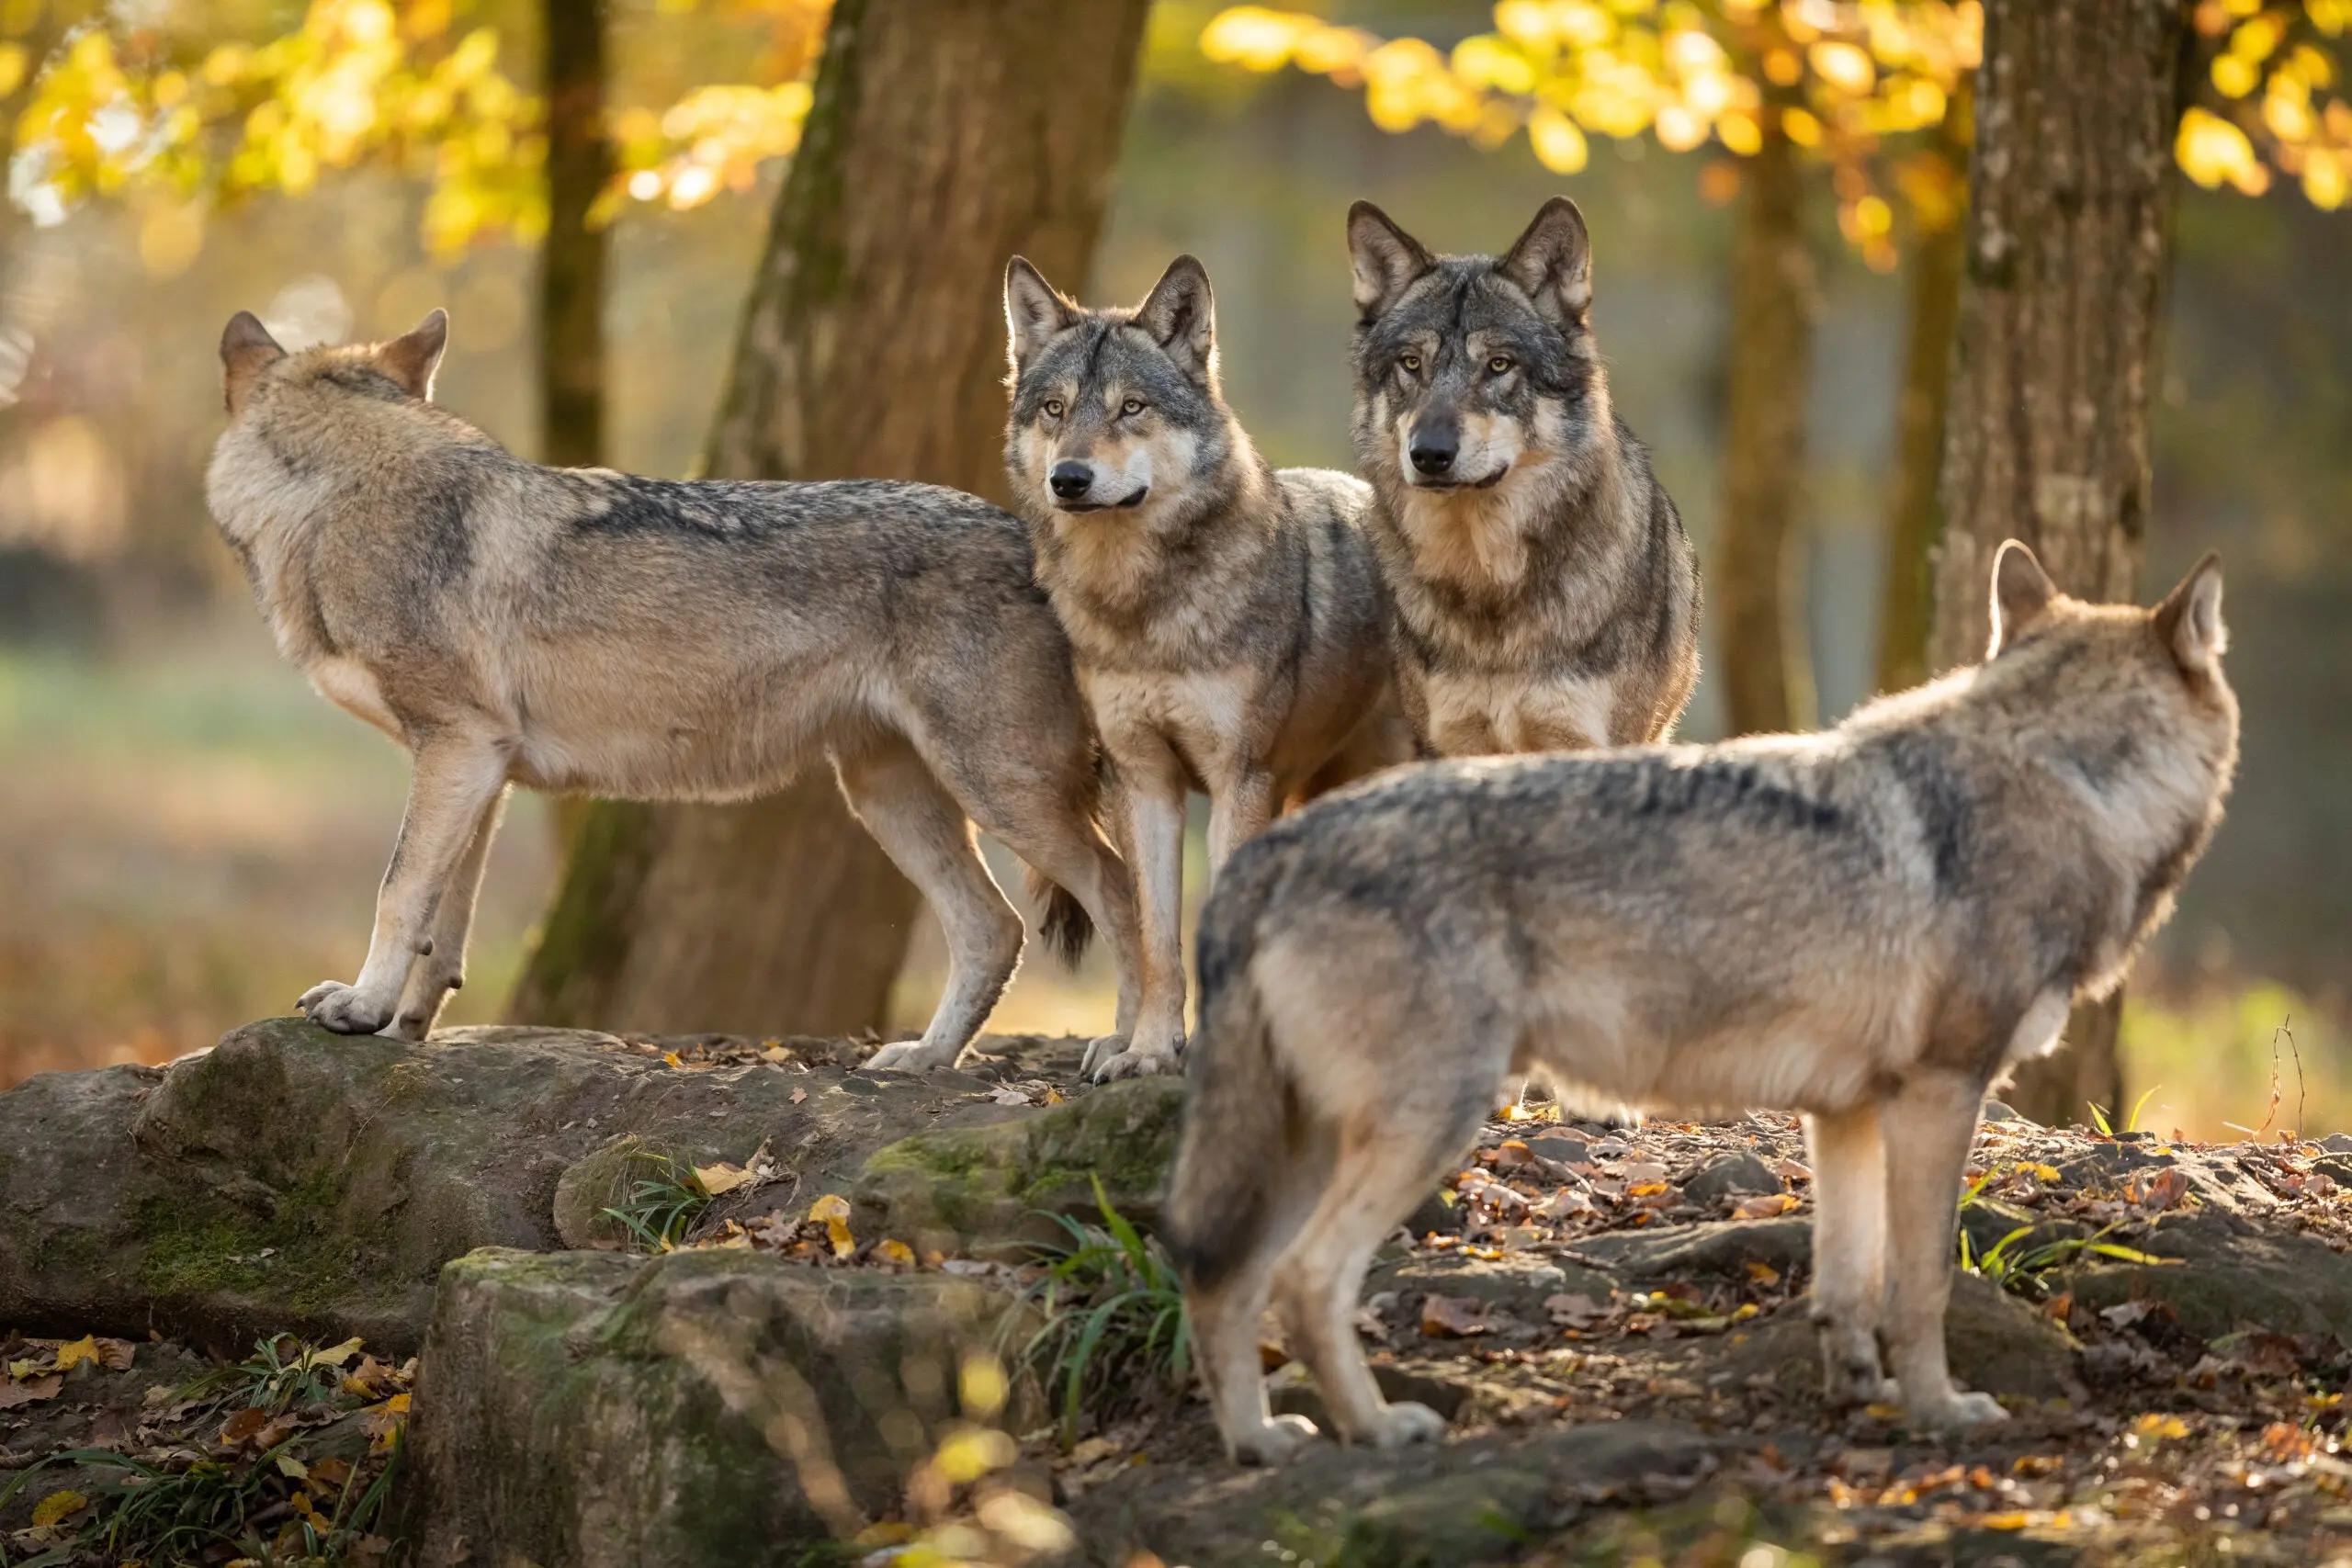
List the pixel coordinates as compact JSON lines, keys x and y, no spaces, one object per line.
{"x":591,"y":631}
{"x":1228,"y":623}
{"x":1547,"y":597}
{"x":1868,"y":925}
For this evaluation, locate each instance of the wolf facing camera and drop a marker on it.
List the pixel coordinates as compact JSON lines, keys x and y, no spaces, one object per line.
{"x":1869,"y":925}
{"x":581,"y":630}
{"x":1547,"y":597}
{"x":1228,"y":623}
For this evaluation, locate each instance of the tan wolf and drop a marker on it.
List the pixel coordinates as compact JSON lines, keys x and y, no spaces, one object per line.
{"x":1868,"y":925}
{"x":1546,"y":596}
{"x":585,"y":630}
{"x":1228,"y":622}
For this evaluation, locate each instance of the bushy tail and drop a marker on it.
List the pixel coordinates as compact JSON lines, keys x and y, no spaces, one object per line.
{"x":1238,"y":1110}
{"x":1067,"y":927}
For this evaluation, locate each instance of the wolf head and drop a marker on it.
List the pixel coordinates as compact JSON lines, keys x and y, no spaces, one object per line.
{"x":1469,"y":368}
{"x":1116,"y":414}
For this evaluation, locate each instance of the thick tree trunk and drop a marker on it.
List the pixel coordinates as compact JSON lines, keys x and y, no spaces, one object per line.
{"x":571,"y":260}
{"x":1768,"y":678}
{"x":1915,"y":520}
{"x":943,"y":139}
{"x":2047,"y":431}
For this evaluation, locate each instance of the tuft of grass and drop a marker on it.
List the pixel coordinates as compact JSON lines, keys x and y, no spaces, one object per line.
{"x":2106,"y":1129}
{"x":1114,"y":1331}
{"x":663,"y":1203}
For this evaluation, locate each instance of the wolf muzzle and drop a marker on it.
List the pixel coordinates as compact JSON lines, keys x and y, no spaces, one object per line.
{"x":1072,"y":483}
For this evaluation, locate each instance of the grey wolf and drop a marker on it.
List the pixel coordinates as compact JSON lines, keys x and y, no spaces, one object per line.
{"x":1868,"y":925}
{"x":1546,"y":596}
{"x":591,"y":631}
{"x":1228,"y":623}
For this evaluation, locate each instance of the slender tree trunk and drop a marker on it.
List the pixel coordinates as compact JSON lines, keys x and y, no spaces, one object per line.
{"x":1915,"y":520}
{"x":2047,"y":433}
{"x":1768,"y":680}
{"x":943,"y":139}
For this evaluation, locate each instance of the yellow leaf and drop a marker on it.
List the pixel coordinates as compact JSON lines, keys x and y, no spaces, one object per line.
{"x":57,"y":1506}
{"x":720,"y":1180}
{"x":71,"y":1356}
{"x":396,"y":1406}
{"x":832,"y":1206}
{"x":896,"y":1251}
{"x":844,"y":1243}
{"x":336,"y":1355}
{"x":672,"y":1057}
{"x":288,"y":1465}
{"x":969,"y":1452}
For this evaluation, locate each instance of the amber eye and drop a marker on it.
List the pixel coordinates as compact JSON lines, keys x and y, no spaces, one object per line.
{"x":1410,"y":364}
{"x":1500,"y":364}
{"x":1053,"y":408}
{"x":1131,"y":407}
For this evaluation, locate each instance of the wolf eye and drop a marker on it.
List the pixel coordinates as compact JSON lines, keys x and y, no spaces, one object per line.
{"x":1131,"y":407}
{"x":1410,"y":364}
{"x":1500,"y":364}
{"x":1053,"y":408}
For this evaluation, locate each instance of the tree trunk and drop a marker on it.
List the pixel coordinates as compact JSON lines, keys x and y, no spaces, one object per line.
{"x":1768,"y":679}
{"x":2047,"y":434}
{"x":572,"y":259}
{"x":943,"y":139}
{"x":1914,"y":521}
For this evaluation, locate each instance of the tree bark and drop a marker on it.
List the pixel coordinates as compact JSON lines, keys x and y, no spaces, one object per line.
{"x":943,"y":139}
{"x":1768,"y":679}
{"x":572,"y":257}
{"x":2047,"y":433}
{"x":1915,"y":520}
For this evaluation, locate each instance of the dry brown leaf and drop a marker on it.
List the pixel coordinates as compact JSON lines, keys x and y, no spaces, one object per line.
{"x":1575,"y":1311}
{"x":1457,"y":1316}
{"x":1764,"y":1208}
{"x":799,"y":1095}
{"x":115,"y":1355}
{"x":244,"y":1424}
{"x":1641,"y":1172}
{"x":30,"y":1391}
{"x":722,"y":1178}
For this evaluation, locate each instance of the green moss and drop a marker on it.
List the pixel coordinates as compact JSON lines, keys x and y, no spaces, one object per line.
{"x":205,"y":1246}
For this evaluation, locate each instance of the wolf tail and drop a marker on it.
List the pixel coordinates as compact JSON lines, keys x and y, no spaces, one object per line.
{"x":1238,"y":1106}
{"x":1067,"y":927}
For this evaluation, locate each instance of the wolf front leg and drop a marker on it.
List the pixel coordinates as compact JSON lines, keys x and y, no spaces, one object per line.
{"x":454,"y":779}
{"x":443,"y":970}
{"x":1848,"y":1252}
{"x":1151,"y":828}
{"x":1928,"y":1123}
{"x":1238,"y":811}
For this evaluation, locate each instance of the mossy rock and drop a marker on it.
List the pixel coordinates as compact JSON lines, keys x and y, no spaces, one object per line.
{"x":2220,"y":1274}
{"x":708,"y":1407}
{"x":968,"y":1187}
{"x":1995,"y":1342}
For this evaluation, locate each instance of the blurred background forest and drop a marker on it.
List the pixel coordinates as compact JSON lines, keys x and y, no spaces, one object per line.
{"x":189,"y":837}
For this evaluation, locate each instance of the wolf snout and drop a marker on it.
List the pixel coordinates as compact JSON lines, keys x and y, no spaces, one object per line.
{"x":1070,"y":480}
{"x":1432,"y":451}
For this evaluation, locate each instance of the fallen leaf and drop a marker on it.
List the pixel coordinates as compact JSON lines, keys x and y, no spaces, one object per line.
{"x":1646,"y":1189}
{"x":799,"y":1095}
{"x":832,"y":1206}
{"x":70,"y":1356}
{"x":722,"y":1178}
{"x":57,"y":1506}
{"x":1511,"y":1152}
{"x":29,"y":1393}
{"x":1574,"y":1311}
{"x":336,"y":1355}
{"x":1788,"y":1169}
{"x":2165,"y":1189}
{"x":1762,"y":1273}
{"x":244,"y":1424}
{"x":1641,"y":1172}
{"x":894,"y":1251}
{"x":1566,"y":1204}
{"x":1456,"y":1316}
{"x":288,"y":1465}
{"x":1765,"y":1207}
{"x":115,"y":1355}
{"x":331,"y":1472}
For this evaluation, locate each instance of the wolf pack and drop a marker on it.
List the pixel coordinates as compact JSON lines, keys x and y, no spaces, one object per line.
{"x":1452,"y":847}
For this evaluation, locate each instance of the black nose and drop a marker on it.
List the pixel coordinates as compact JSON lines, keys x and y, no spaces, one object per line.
{"x":1070,"y":480}
{"x":1433,"y":451}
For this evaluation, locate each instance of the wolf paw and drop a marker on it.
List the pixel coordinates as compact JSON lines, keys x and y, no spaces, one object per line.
{"x":1403,"y":1423}
{"x":1137,"y":1063}
{"x":1276,"y":1442}
{"x":331,"y":1004}
{"x":1955,"y":1411}
{"x":911,"y":1056}
{"x":1099,"y":1050}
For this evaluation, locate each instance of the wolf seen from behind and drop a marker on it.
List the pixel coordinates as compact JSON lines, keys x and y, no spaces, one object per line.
{"x":1228,"y":620}
{"x":591,"y":631}
{"x":1547,"y":597}
{"x":1868,"y":925}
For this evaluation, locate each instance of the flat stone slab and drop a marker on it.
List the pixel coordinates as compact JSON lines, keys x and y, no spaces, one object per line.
{"x":292,"y":1180}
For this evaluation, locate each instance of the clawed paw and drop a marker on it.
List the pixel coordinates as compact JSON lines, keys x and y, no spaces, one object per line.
{"x":1956,"y":1411}
{"x":1137,"y":1063}
{"x":1099,"y":1050}
{"x":909,"y":1056}
{"x":344,"y":1009}
{"x":1276,"y":1442}
{"x":1403,"y":1423}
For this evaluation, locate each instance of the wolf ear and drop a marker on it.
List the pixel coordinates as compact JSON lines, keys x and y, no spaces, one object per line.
{"x":1552,"y":262}
{"x":2189,"y":620}
{"x":1181,"y":315}
{"x":413,"y":357}
{"x":1034,"y":308}
{"x":1388,"y":261}
{"x":246,"y":350}
{"x":2021,"y":592}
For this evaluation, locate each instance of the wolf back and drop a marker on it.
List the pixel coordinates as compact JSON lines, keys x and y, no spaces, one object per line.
{"x":1546,"y":593}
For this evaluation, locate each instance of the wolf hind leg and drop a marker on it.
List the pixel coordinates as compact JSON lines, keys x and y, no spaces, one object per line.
{"x":925,"y":833}
{"x":443,"y":970}
{"x":1385,"y":1167}
{"x":1931,"y":1120}
{"x":1225,"y":1323}
{"x":1849,"y":1252}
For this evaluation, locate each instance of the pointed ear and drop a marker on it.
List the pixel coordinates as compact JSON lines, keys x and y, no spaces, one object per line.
{"x":1181,"y":315}
{"x":1388,"y":261}
{"x":2021,"y":592}
{"x":1552,"y":262}
{"x":246,"y":350}
{"x":1034,"y":309}
{"x":2189,"y":620}
{"x":413,"y":357}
